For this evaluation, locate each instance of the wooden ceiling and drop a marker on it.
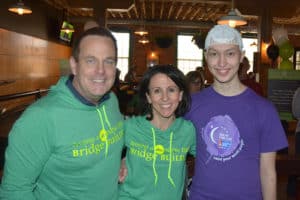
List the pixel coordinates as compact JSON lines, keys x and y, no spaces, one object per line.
{"x":180,"y":13}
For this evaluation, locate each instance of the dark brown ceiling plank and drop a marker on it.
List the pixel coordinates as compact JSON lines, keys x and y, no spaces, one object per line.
{"x":170,"y":10}
{"x":161,"y":10}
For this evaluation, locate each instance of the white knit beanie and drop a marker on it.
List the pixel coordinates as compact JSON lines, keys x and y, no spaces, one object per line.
{"x":223,"y":34}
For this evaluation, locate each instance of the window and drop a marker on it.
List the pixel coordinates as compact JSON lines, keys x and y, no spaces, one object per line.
{"x":123,"y":42}
{"x":189,"y":56}
{"x":297,"y":58}
{"x":250,"y":46}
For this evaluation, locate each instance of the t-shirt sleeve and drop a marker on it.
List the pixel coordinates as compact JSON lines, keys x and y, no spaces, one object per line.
{"x":273,"y":137}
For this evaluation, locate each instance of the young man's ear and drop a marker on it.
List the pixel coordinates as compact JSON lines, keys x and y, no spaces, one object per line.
{"x":73,"y":65}
{"x":242,"y":56}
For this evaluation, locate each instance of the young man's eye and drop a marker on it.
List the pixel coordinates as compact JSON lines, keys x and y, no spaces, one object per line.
{"x":212,"y":54}
{"x":231,"y":53}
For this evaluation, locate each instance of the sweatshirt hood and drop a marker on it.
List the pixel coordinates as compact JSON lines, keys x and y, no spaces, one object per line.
{"x":65,"y":91}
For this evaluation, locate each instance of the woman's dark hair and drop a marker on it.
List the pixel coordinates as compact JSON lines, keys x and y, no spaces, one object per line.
{"x":175,"y":75}
{"x":97,"y":31}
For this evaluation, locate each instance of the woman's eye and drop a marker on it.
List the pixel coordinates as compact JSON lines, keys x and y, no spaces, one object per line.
{"x":156,"y":91}
{"x":173,"y":89}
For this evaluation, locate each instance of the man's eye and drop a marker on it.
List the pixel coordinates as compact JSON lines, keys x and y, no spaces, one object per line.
{"x":110,"y":61}
{"x":90,"y":61}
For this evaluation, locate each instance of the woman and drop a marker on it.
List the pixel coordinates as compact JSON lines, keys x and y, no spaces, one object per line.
{"x":158,"y":140}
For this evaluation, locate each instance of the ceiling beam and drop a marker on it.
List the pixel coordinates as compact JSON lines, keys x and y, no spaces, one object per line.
{"x":172,"y":23}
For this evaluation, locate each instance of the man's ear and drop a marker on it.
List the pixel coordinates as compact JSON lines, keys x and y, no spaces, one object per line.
{"x":242,"y":56}
{"x":205,"y":54}
{"x":73,"y":65}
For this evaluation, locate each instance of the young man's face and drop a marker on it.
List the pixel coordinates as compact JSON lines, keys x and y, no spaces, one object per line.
{"x":223,"y":62}
{"x":94,"y":73}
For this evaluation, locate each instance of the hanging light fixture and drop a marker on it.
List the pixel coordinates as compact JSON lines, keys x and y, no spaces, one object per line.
{"x":20,"y":8}
{"x":233,"y":18}
{"x":143,"y":40}
{"x":141,"y":31}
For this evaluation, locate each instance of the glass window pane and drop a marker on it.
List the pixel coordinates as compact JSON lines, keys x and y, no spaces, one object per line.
{"x":189,"y":56}
{"x":297,"y":60}
{"x":123,"y":42}
{"x":250,"y":46}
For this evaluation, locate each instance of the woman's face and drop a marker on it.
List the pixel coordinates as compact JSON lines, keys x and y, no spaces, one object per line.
{"x":164,"y":95}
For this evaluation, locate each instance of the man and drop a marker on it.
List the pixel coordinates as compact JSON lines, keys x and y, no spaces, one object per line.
{"x":239,"y":131}
{"x":68,"y":145}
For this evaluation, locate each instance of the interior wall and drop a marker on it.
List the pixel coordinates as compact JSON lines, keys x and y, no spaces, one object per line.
{"x":28,"y":63}
{"x":142,"y":51}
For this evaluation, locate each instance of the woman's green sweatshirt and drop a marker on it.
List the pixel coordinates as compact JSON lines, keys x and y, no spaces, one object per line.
{"x":156,"y":159}
{"x":61,"y":148}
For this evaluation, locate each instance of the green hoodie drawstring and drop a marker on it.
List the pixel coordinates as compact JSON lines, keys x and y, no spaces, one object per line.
{"x":170,"y":161}
{"x":154,"y":158}
{"x":103,"y":132}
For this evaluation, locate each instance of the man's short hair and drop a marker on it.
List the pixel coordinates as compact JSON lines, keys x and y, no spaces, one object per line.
{"x":223,"y":34}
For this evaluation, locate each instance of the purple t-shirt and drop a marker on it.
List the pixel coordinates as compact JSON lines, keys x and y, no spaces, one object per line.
{"x":232,"y":132}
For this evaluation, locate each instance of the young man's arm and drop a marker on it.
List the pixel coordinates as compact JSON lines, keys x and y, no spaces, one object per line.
{"x":268,"y":175}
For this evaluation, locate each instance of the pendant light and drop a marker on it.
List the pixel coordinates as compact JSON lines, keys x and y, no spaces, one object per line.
{"x":143,"y":40}
{"x":141,"y":31}
{"x":233,"y":18}
{"x":20,"y":8}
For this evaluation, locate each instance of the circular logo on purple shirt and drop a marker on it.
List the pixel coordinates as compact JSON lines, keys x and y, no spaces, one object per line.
{"x":221,"y":136}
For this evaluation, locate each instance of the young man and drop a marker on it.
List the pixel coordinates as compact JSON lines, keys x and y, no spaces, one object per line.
{"x":68,"y":144}
{"x":239,"y":131}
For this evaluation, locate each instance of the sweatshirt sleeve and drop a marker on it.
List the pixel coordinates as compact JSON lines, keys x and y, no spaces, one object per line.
{"x":29,"y":148}
{"x":193,"y":141}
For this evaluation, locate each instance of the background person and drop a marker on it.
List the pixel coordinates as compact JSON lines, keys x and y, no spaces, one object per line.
{"x":159,"y":140}
{"x":68,"y":144}
{"x":239,"y":131}
{"x":248,"y":79}
{"x":194,"y":81}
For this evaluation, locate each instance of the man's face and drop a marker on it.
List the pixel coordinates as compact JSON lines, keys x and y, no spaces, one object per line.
{"x":223,"y":61}
{"x":94,"y":73}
